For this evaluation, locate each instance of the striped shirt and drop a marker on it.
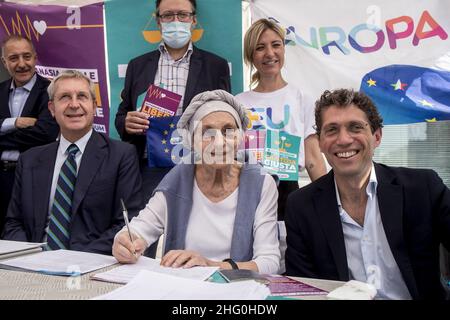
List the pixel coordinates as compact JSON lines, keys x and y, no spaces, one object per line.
{"x":172,"y":74}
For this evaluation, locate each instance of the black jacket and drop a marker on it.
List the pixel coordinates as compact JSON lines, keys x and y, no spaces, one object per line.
{"x":207,"y":71}
{"x":415,"y":211}
{"x":45,"y":129}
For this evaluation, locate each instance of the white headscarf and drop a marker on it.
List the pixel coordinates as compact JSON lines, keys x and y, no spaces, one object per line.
{"x":208,"y":102}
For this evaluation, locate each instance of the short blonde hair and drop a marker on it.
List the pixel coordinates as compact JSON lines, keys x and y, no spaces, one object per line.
{"x":251,"y":41}
{"x":70,"y":74}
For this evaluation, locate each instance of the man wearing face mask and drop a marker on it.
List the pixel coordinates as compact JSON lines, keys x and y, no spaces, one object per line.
{"x":178,"y":66}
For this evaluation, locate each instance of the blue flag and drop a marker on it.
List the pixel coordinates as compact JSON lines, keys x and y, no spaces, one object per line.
{"x":159,"y":146}
{"x":409,"y":94}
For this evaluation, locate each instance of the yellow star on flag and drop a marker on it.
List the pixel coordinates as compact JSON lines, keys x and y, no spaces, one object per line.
{"x":166,"y":150}
{"x":163,"y":141}
{"x":165,"y":132}
{"x":171,"y":126}
{"x":371,"y":82}
{"x":426,"y":103}
{"x":399,"y":85}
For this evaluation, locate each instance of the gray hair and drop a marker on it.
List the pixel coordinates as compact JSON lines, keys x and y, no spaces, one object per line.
{"x":70,"y":74}
{"x":16,"y":37}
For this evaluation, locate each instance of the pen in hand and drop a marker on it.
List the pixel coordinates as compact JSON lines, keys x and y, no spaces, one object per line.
{"x":127,"y":223}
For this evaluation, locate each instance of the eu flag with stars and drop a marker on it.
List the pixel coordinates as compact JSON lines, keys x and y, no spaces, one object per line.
{"x":409,"y":94}
{"x":159,"y":146}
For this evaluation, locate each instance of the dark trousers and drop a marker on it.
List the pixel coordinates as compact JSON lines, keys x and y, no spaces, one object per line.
{"x":6,"y":186}
{"x":284,"y":189}
{"x":151,"y":177}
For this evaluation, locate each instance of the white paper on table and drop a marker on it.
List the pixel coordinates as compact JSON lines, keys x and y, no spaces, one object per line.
{"x":354,"y":290}
{"x":7,"y":246}
{"x":61,"y":262}
{"x":125,"y":273}
{"x":149,"y":285}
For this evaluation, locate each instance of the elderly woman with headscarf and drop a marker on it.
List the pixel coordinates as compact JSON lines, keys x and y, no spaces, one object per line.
{"x":216,"y":212}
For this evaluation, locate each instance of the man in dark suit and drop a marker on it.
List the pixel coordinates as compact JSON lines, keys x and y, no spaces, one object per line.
{"x":177,"y":66}
{"x":25,"y":120}
{"x":363,"y":220}
{"x":68,"y":192}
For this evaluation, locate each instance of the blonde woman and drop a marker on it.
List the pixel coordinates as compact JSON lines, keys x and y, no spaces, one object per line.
{"x":277,"y":104}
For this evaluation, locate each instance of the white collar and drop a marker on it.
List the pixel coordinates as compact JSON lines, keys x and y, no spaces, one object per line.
{"x":80,"y":143}
{"x":28,"y":86}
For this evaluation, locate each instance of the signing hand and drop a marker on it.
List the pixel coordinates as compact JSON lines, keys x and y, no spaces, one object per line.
{"x":185,"y":259}
{"x":136,"y":122}
{"x":126,"y":251}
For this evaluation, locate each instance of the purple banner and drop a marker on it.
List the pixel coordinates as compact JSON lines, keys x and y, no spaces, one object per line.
{"x":65,"y":38}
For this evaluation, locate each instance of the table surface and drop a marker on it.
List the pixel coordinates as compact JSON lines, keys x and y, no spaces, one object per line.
{"x":18,"y":285}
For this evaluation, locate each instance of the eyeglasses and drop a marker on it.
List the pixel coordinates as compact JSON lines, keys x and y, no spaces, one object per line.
{"x":353,"y":128}
{"x":182,"y":16}
{"x":228,"y":133}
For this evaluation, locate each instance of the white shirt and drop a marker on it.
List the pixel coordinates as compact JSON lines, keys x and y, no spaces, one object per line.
{"x":17,"y":99}
{"x":369,"y":256}
{"x":61,"y":156}
{"x":172,"y":74}
{"x":287,"y":109}
{"x":210,"y":226}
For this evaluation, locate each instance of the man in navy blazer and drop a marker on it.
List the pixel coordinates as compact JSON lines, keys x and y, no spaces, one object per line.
{"x":363,"y":220}
{"x":107,"y":171}
{"x":25,"y":120}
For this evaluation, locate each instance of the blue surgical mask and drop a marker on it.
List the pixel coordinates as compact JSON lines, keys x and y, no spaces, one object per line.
{"x":176,"y":34}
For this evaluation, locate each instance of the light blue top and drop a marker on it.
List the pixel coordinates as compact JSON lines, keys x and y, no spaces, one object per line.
{"x":17,"y":99}
{"x":369,"y":256}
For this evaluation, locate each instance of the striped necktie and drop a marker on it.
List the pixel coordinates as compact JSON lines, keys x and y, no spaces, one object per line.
{"x":60,"y":216}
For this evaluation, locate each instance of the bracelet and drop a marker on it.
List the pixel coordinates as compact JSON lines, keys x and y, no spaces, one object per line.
{"x":233,"y":264}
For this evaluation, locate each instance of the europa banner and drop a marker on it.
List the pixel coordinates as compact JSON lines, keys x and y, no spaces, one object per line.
{"x":65,"y":37}
{"x":397,"y":52}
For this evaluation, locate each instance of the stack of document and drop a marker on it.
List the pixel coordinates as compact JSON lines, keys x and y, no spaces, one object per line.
{"x":148,"y":285}
{"x":60,"y":262}
{"x":125,"y":273}
{"x":9,"y":249}
{"x":354,"y":290}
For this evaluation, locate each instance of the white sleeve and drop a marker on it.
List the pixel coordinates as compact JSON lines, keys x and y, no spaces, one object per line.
{"x":8,"y":125}
{"x":150,"y":223}
{"x":266,"y":252}
{"x":308,"y":106}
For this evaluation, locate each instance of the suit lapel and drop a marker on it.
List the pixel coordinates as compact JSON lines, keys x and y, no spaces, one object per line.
{"x":31,"y":101}
{"x":151,"y":69}
{"x":195,"y":66}
{"x":390,"y":202}
{"x":93,"y":156}
{"x":4,"y":100}
{"x":325,"y":203}
{"x":42,"y":181}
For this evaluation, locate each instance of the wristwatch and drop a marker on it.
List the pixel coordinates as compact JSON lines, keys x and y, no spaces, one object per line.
{"x":232,"y":263}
